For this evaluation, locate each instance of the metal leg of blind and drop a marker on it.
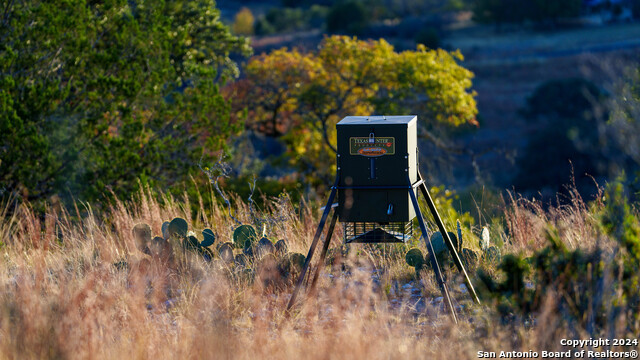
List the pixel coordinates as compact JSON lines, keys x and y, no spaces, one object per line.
{"x":447,"y":240}
{"x":314,"y":243}
{"x":432,"y":255}
{"x":323,"y":253}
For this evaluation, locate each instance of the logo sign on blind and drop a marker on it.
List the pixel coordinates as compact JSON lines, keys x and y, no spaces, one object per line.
{"x":372,"y":147}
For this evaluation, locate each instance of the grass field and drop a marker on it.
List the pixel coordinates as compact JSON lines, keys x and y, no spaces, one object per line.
{"x":61,"y":296}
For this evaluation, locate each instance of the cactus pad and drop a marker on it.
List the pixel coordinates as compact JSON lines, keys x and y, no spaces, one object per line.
{"x":226,"y":252}
{"x":142,"y":230}
{"x":156,"y":245}
{"x":292,"y":263}
{"x":469,"y":257}
{"x":297,"y":260}
{"x":439,"y":246}
{"x":142,"y":235}
{"x":161,"y":248}
{"x":244,"y":234}
{"x":165,"y":230}
{"x":485,"y":239}
{"x":414,"y":258}
{"x":242,"y":260}
{"x":281,"y":248}
{"x":208,"y":237}
{"x":248,"y":249}
{"x":178,"y":228}
{"x":191,"y":243}
{"x":492,"y":254}
{"x":268,"y":264}
{"x":264,"y":247}
{"x":206,"y":253}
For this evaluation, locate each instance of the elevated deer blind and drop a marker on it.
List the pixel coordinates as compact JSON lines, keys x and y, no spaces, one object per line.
{"x":377,"y":183}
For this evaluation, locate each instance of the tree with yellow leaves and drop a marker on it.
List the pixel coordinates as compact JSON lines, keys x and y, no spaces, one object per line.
{"x":243,"y":22}
{"x":300,"y":96}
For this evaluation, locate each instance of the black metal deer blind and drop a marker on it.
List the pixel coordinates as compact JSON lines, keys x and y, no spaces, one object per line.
{"x":377,"y":184}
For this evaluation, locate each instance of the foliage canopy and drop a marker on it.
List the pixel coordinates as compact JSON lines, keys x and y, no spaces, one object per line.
{"x":300,"y":96}
{"x":96,"y":94}
{"x":243,"y":22}
{"x":513,"y":11}
{"x":569,"y":145}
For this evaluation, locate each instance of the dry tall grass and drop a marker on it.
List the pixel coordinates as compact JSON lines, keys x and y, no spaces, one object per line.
{"x":62,"y":297}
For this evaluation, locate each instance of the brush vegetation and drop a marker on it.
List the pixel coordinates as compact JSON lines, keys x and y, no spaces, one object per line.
{"x":83,"y":285}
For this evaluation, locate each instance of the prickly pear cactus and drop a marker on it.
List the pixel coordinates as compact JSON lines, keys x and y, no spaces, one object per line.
{"x":161,"y":249}
{"x":264,"y":247}
{"x":492,"y":254}
{"x":178,"y":228}
{"x":469,"y":257}
{"x":191,"y":243}
{"x":208,"y":238}
{"x":165,"y":230}
{"x":281,"y":248}
{"x":292,"y":264}
{"x":437,"y":242}
{"x":439,"y":247}
{"x":243,"y":234}
{"x":156,"y":245}
{"x":226,"y":252}
{"x":242,"y":260}
{"x":269,"y":259}
{"x":414,"y":258}
{"x":142,"y":235}
{"x":485,"y":239}
{"x":206,"y":253}
{"x":248,"y":249}
{"x":142,"y":230}
{"x":267,"y":267}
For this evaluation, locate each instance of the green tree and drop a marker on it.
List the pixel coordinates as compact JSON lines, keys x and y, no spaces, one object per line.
{"x":96,"y":94}
{"x":301,"y":96}
{"x":570,"y":143}
{"x":513,"y":11}
{"x":499,"y":11}
{"x":286,"y":19}
{"x":624,"y":124}
{"x":550,"y":11}
{"x":279,"y":20}
{"x":347,"y":17}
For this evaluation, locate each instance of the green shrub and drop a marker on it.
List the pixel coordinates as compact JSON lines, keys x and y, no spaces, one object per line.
{"x":347,"y":17}
{"x":428,"y":37}
{"x":569,"y":142}
{"x":263,"y":27}
{"x":619,"y":221}
{"x":447,"y":202}
{"x":286,"y":19}
{"x":278,"y":20}
{"x":587,"y":288}
{"x":513,"y":11}
{"x":573,"y":98}
{"x":316,"y":16}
